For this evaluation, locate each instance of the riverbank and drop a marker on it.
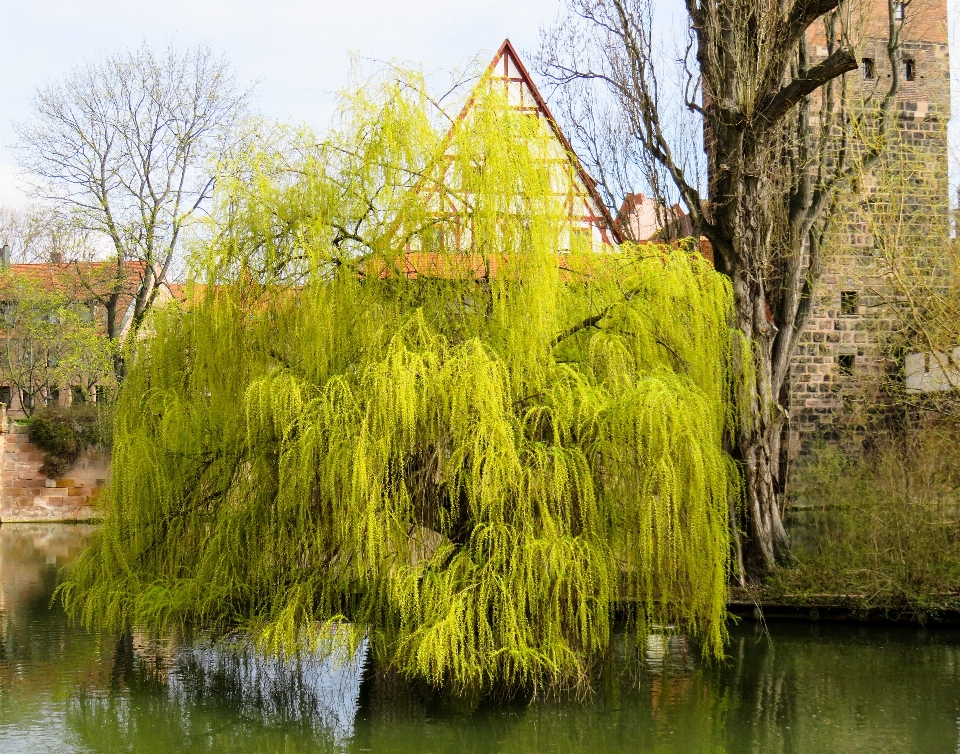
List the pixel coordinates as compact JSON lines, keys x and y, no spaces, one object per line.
{"x":761,"y":605}
{"x":875,"y":533}
{"x":935,"y":610}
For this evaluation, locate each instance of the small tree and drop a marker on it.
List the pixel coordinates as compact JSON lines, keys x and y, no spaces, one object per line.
{"x":49,"y":342}
{"x":127,"y":146}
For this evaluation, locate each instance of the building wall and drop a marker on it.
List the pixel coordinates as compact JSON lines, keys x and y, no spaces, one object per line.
{"x":843,"y":353}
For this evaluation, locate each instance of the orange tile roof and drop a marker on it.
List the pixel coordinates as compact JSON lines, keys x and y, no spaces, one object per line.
{"x":89,"y":278}
{"x":82,"y":281}
{"x":415,"y":265}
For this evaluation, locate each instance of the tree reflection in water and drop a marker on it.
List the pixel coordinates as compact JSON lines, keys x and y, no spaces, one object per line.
{"x":804,"y":689}
{"x":204,"y":697}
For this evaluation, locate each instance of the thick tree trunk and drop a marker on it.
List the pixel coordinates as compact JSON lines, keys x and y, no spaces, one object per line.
{"x":744,"y":216}
{"x":779,"y":138}
{"x":758,"y":450}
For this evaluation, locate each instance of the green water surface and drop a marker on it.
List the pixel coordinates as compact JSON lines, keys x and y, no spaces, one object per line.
{"x":802,"y":688}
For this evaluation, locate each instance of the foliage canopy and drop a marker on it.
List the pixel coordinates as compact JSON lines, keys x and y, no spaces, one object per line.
{"x":473,"y":451}
{"x":49,"y":341}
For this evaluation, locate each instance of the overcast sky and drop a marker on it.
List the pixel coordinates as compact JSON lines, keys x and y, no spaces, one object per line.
{"x":298,"y":50}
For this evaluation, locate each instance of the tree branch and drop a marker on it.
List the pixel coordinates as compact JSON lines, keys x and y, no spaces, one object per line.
{"x":837,"y":64}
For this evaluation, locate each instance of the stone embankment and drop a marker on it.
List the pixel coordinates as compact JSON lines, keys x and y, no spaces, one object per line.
{"x":26,"y":494}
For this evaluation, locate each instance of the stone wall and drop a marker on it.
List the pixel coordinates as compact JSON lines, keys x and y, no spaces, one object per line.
{"x":28,"y":495}
{"x":843,"y":358}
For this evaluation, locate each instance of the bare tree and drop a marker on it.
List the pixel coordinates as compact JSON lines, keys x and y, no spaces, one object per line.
{"x":127,"y":145}
{"x":37,"y":234}
{"x":766,"y":80}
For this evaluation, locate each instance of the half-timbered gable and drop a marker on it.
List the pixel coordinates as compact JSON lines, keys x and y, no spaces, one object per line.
{"x":572,"y":194}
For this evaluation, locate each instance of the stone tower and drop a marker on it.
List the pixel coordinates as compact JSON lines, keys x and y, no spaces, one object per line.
{"x":845,"y":346}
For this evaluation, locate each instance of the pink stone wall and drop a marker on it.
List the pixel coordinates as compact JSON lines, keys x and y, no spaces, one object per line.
{"x":28,"y":495}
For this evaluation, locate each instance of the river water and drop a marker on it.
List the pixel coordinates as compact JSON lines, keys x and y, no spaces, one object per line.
{"x":801,"y":688}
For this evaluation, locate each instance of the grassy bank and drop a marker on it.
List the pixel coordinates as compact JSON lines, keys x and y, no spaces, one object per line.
{"x":879,"y":528}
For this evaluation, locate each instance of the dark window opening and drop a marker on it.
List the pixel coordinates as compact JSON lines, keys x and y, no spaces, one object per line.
{"x":848,"y":303}
{"x":26,"y":400}
{"x":845,"y":364}
{"x":910,"y":70}
{"x":5,"y":395}
{"x":869,"y":68}
{"x":53,"y":397}
{"x":77,"y":394}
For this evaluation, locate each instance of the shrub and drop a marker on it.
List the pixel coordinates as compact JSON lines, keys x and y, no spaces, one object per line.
{"x":884,"y":526}
{"x":63,"y":433}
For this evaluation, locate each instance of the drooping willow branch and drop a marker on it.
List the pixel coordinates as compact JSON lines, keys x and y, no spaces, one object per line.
{"x":402,"y":444}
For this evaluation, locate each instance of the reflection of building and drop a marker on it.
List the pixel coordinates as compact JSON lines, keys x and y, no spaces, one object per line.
{"x":96,"y":295}
{"x":29,"y":554}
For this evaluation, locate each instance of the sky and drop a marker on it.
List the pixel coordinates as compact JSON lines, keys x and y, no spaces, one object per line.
{"x":298,"y":51}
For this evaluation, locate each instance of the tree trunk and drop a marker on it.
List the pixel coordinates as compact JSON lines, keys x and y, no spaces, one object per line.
{"x":745,"y":214}
{"x":759,"y":442}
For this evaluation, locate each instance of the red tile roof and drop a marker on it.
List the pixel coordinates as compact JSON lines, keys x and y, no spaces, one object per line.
{"x":82,"y":279}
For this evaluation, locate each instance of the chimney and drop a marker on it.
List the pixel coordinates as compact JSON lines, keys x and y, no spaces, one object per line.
{"x":5,"y":261}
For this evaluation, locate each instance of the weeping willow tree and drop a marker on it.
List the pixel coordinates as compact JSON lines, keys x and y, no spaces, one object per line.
{"x":392,"y":407}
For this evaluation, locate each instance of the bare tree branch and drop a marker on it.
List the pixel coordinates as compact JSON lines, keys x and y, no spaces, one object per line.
{"x":786,"y":99}
{"x":127,"y":145}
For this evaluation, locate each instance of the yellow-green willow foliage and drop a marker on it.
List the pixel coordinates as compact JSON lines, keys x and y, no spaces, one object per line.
{"x":476,"y":464}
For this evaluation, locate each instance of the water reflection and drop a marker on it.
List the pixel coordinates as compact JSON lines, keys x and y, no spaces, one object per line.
{"x":811,"y":688}
{"x":30,"y":555}
{"x":208,"y":698}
